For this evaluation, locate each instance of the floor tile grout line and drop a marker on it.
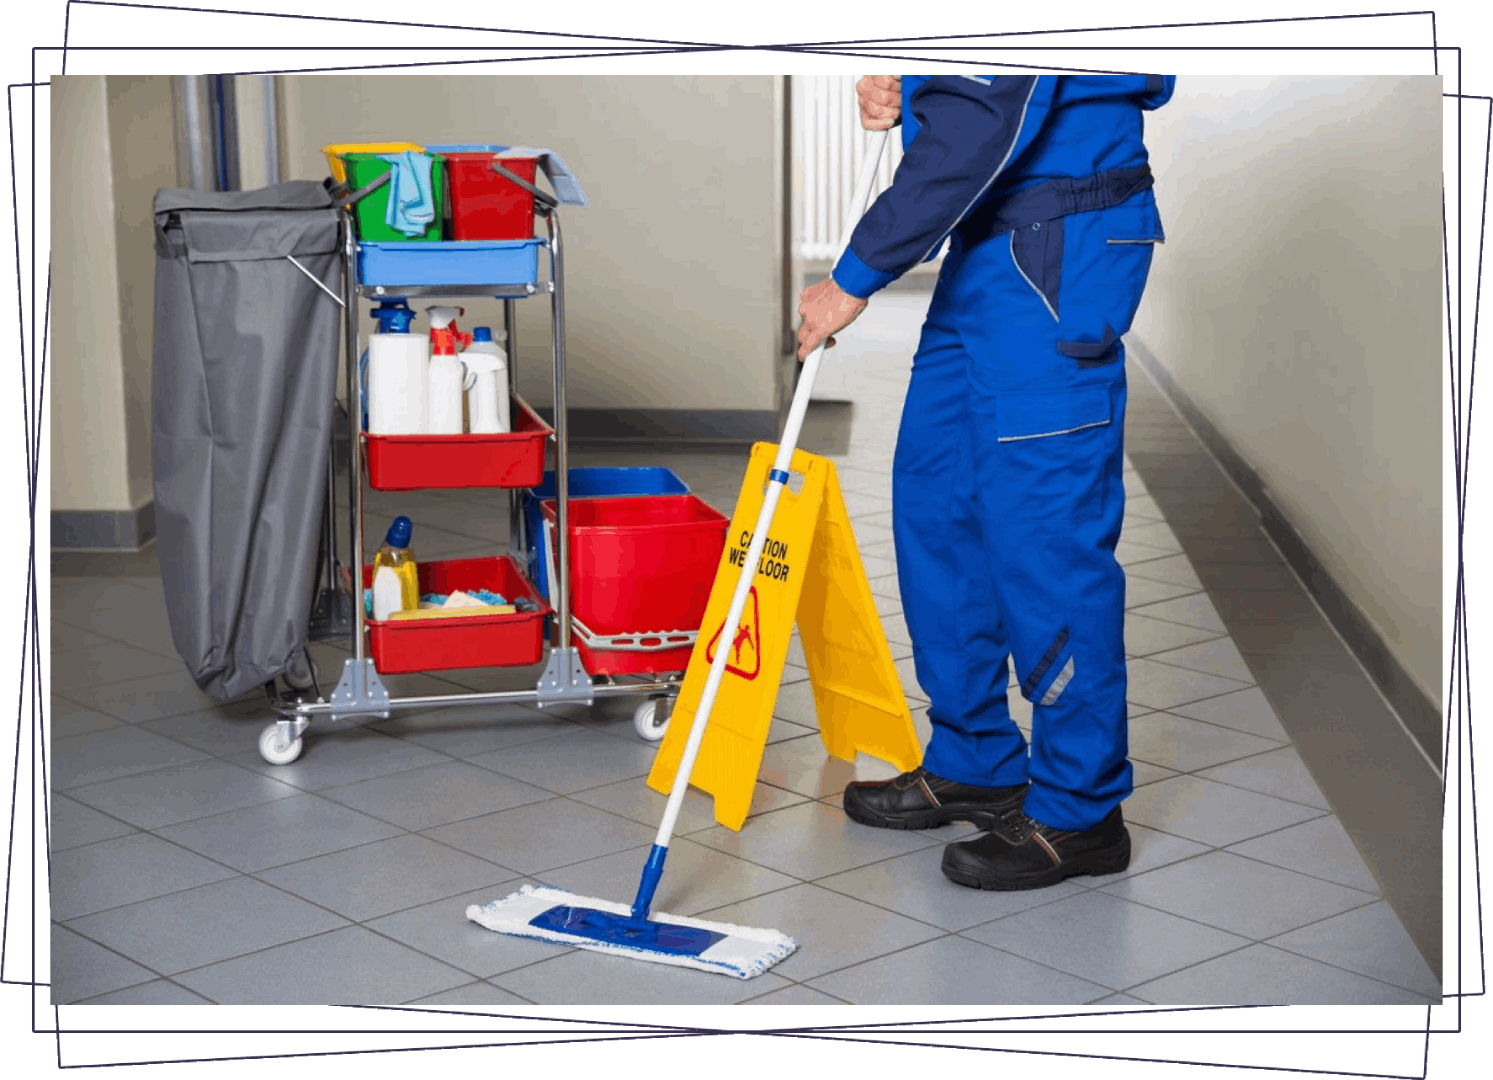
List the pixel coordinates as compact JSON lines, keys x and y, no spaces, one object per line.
{"x":821,"y":883}
{"x":1379,"y":895}
{"x":1248,"y":944}
{"x":963,"y":935}
{"x":164,"y":978}
{"x":415,"y":1002}
{"x":51,"y":822}
{"x":108,"y":948}
{"x":1229,"y":783}
{"x":350,"y":924}
{"x":943,"y":935}
{"x":1272,"y":943}
{"x":251,"y":875}
{"x":1198,"y":701}
{"x":1287,"y":741}
{"x":1268,"y":944}
{"x":1368,"y":898}
{"x":1172,"y":648}
{"x":1243,"y":839}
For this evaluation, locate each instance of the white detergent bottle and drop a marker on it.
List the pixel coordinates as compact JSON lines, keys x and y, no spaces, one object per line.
{"x":487,"y":393}
{"x":393,"y":317}
{"x":397,"y":384}
{"x":446,"y":373}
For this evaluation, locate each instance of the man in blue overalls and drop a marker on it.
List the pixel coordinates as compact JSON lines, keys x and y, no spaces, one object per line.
{"x":1006,"y":486}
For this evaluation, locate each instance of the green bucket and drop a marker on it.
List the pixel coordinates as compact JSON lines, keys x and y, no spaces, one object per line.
{"x":371,"y":210}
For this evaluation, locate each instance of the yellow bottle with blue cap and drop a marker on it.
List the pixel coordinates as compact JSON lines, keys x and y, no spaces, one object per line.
{"x":395,"y":562}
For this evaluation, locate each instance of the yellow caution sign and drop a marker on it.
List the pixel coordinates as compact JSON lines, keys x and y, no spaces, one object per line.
{"x":810,"y":572}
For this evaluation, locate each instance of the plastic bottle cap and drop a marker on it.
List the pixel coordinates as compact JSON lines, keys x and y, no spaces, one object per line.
{"x":400,"y":532}
{"x":481,"y":333}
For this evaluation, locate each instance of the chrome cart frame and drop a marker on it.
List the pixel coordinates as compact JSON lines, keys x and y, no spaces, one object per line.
{"x":360,"y":692}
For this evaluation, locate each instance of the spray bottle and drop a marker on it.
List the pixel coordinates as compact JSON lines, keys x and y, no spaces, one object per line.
{"x":394,"y":374}
{"x":446,"y":372}
{"x":487,"y":382}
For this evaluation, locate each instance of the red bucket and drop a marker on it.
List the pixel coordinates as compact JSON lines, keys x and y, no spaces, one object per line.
{"x":641,"y":564}
{"x":485,"y":205}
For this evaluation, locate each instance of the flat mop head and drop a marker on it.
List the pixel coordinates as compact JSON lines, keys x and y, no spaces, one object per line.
{"x":584,"y":923}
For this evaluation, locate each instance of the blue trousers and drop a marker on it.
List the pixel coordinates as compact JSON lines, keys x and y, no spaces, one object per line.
{"x":1007,"y":503}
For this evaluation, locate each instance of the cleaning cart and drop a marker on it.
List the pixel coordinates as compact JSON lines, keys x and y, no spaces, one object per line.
{"x":505,"y":267}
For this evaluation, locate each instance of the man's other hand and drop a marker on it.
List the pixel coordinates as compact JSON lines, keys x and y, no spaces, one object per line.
{"x":826,"y":309}
{"x":881,"y":101}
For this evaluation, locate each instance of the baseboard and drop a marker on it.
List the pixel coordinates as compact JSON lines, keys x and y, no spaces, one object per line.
{"x":652,"y":425}
{"x":1416,"y":710}
{"x":104,"y":530}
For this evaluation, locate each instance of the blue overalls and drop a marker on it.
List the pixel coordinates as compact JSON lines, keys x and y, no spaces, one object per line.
{"x":1007,"y":490}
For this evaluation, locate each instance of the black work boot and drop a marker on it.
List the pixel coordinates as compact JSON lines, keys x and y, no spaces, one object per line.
{"x":920,"y":800}
{"x":1019,"y":853}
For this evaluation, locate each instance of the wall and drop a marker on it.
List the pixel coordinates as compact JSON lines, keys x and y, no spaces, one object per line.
{"x":1297,"y":303}
{"x":674,"y":294}
{"x":113,"y":146}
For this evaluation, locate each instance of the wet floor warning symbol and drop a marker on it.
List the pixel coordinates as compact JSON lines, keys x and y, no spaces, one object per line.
{"x":748,"y":640}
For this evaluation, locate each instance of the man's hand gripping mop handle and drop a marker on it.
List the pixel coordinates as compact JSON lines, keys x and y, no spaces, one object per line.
{"x":653,"y":870}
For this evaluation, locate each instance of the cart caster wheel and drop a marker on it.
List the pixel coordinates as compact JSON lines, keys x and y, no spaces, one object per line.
{"x":301,"y":674}
{"x":276,"y":752}
{"x":651,"y":718}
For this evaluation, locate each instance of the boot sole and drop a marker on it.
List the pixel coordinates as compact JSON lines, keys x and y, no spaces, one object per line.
{"x":1110,"y":860}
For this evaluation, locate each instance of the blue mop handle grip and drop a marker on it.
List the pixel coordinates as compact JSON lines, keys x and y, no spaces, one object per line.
{"x":653,"y":870}
{"x":865,"y":179}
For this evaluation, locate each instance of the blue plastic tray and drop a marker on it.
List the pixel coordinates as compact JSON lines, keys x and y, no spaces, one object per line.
{"x":450,"y":262}
{"x":591,"y":483}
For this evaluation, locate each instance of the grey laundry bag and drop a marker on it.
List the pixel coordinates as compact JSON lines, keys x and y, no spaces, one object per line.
{"x":242,"y":396}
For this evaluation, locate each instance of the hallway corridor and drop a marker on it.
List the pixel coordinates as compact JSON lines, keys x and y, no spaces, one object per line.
{"x":1266,"y":871}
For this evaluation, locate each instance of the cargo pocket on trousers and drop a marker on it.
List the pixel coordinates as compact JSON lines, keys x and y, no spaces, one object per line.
{"x":1052,"y":447}
{"x":1108,"y":276}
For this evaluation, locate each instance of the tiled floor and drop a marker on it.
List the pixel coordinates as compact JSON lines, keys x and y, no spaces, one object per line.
{"x":186,"y":870}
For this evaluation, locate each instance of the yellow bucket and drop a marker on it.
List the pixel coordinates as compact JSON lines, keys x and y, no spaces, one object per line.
{"x":334,"y":154}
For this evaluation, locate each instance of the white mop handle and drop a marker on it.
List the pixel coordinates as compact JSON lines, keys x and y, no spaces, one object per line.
{"x":854,"y":212}
{"x":784,"y":460}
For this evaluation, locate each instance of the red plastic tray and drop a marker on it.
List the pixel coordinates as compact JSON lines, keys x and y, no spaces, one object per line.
{"x":514,"y":459}
{"x":470,"y":641}
{"x":638,"y":564}
{"x":484,"y":205}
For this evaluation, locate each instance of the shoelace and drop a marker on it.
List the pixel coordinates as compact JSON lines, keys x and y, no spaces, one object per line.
{"x":1015,"y":826}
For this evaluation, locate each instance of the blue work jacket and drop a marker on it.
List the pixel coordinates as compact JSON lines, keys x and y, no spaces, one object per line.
{"x":971,"y":142}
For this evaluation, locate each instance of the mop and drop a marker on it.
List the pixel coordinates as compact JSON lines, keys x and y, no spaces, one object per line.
{"x":550,"y":914}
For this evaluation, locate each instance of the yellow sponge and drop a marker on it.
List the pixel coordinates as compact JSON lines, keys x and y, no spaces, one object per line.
{"x":451,"y":613}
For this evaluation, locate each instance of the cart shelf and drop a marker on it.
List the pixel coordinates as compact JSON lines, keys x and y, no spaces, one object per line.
{"x":512,"y":459}
{"x":448,"y":263}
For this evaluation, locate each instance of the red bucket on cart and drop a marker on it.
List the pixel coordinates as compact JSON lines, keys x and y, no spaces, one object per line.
{"x":464,"y":641}
{"x":641,"y":568}
{"x":486,"y":205}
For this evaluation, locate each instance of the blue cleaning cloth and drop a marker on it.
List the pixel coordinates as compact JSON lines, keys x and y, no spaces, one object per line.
{"x":487,"y":596}
{"x":411,"y":205}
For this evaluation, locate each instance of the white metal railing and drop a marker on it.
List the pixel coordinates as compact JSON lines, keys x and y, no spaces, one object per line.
{"x":830,"y":144}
